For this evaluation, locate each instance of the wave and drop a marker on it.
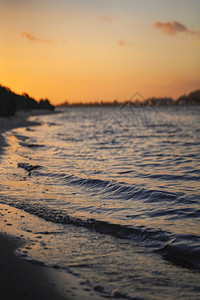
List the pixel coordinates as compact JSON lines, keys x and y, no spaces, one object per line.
{"x":111,"y":189}
{"x":123,"y":190}
{"x":146,"y":236}
{"x":181,"y":250}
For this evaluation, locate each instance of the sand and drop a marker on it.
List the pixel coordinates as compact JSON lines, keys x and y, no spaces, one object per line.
{"x":20,"y":278}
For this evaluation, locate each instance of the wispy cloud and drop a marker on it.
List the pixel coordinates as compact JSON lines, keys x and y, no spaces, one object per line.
{"x":122,"y":43}
{"x":105,"y":19}
{"x":174,"y":28}
{"x":32,"y":38}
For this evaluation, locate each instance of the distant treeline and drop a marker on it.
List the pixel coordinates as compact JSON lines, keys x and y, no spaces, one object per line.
{"x":192,"y":98}
{"x":10,"y":102}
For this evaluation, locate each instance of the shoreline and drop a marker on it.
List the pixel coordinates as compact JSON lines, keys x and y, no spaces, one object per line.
{"x":20,"y":278}
{"x":19,"y":120}
{"x":9,"y":123}
{"x":30,"y":279}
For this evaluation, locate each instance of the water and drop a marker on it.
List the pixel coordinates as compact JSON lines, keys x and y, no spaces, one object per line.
{"x":119,"y":188}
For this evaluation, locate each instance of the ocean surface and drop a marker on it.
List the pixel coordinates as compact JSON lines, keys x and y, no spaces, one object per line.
{"x":119,"y":189}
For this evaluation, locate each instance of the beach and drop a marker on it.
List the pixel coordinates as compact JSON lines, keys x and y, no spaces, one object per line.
{"x":8,"y":123}
{"x":21,"y":279}
{"x":101,"y":203}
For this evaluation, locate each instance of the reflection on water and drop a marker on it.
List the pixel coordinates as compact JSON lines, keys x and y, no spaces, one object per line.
{"x":128,"y":173}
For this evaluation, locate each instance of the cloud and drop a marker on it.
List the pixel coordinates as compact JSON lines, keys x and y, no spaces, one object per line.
{"x":105,"y":19}
{"x":122,"y":43}
{"x":32,"y":38}
{"x":173,"y":28}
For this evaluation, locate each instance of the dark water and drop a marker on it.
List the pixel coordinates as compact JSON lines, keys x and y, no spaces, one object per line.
{"x":123,"y":186}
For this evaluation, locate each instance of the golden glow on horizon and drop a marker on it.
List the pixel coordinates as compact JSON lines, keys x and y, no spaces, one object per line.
{"x":89,"y":55}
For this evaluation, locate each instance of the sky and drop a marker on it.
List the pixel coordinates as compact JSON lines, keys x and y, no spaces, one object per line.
{"x":100,"y":50}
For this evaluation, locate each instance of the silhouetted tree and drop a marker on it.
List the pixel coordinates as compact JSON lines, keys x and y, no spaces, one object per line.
{"x":11,"y":102}
{"x":7,"y":103}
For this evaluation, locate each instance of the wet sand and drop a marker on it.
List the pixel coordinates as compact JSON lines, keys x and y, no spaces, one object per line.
{"x":21,"y":279}
{"x":6,"y":124}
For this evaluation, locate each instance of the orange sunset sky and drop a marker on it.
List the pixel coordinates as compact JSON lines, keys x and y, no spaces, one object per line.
{"x":94,"y":50}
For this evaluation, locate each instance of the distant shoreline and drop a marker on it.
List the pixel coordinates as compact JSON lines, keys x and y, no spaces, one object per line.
{"x":137,"y":100}
{"x":11,"y":103}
